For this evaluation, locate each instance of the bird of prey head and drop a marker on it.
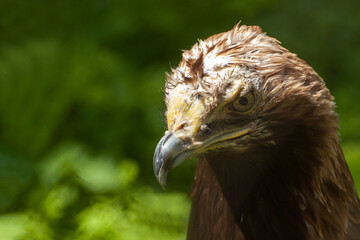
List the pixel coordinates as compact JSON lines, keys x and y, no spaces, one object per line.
{"x":263,"y":125}
{"x":236,"y":90}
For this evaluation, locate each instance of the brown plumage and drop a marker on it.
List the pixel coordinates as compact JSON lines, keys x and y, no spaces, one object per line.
{"x":263,"y":125}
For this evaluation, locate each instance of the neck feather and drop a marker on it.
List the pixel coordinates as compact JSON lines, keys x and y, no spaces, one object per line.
{"x":284,"y":193}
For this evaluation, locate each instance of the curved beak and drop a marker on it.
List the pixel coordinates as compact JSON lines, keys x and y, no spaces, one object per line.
{"x":172,"y":151}
{"x":169,"y":153}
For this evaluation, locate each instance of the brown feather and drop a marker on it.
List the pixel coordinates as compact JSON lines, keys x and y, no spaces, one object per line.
{"x":292,"y":181}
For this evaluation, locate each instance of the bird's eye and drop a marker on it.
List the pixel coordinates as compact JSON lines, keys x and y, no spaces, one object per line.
{"x":244,"y":103}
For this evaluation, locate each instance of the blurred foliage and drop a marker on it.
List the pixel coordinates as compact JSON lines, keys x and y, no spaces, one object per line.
{"x":81,"y":105}
{"x":84,"y":197}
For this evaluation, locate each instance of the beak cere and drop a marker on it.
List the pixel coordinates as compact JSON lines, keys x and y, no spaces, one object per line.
{"x":169,"y":153}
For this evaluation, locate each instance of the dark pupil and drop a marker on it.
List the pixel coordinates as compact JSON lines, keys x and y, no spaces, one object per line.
{"x":243,"y":101}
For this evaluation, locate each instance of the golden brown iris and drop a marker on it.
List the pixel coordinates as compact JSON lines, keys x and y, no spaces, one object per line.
{"x":244,"y":103}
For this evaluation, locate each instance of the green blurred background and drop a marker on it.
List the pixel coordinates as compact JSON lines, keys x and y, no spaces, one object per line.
{"x":81,"y":105}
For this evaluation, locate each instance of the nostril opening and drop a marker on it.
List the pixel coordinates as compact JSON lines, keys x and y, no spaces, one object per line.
{"x":181,"y":126}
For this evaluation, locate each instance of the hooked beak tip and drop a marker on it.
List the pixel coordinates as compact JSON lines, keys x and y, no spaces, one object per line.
{"x":169,"y":152}
{"x":160,"y":160}
{"x":162,"y":180}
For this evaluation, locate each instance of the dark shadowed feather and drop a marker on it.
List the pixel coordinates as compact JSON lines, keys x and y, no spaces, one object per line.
{"x":286,"y":180}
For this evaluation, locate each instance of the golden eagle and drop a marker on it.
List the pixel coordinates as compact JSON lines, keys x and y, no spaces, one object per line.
{"x":263,"y":125}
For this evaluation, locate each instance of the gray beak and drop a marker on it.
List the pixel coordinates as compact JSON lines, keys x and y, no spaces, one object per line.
{"x":169,"y":153}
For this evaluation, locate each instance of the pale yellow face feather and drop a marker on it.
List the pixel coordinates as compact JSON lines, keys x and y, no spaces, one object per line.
{"x":184,"y":114}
